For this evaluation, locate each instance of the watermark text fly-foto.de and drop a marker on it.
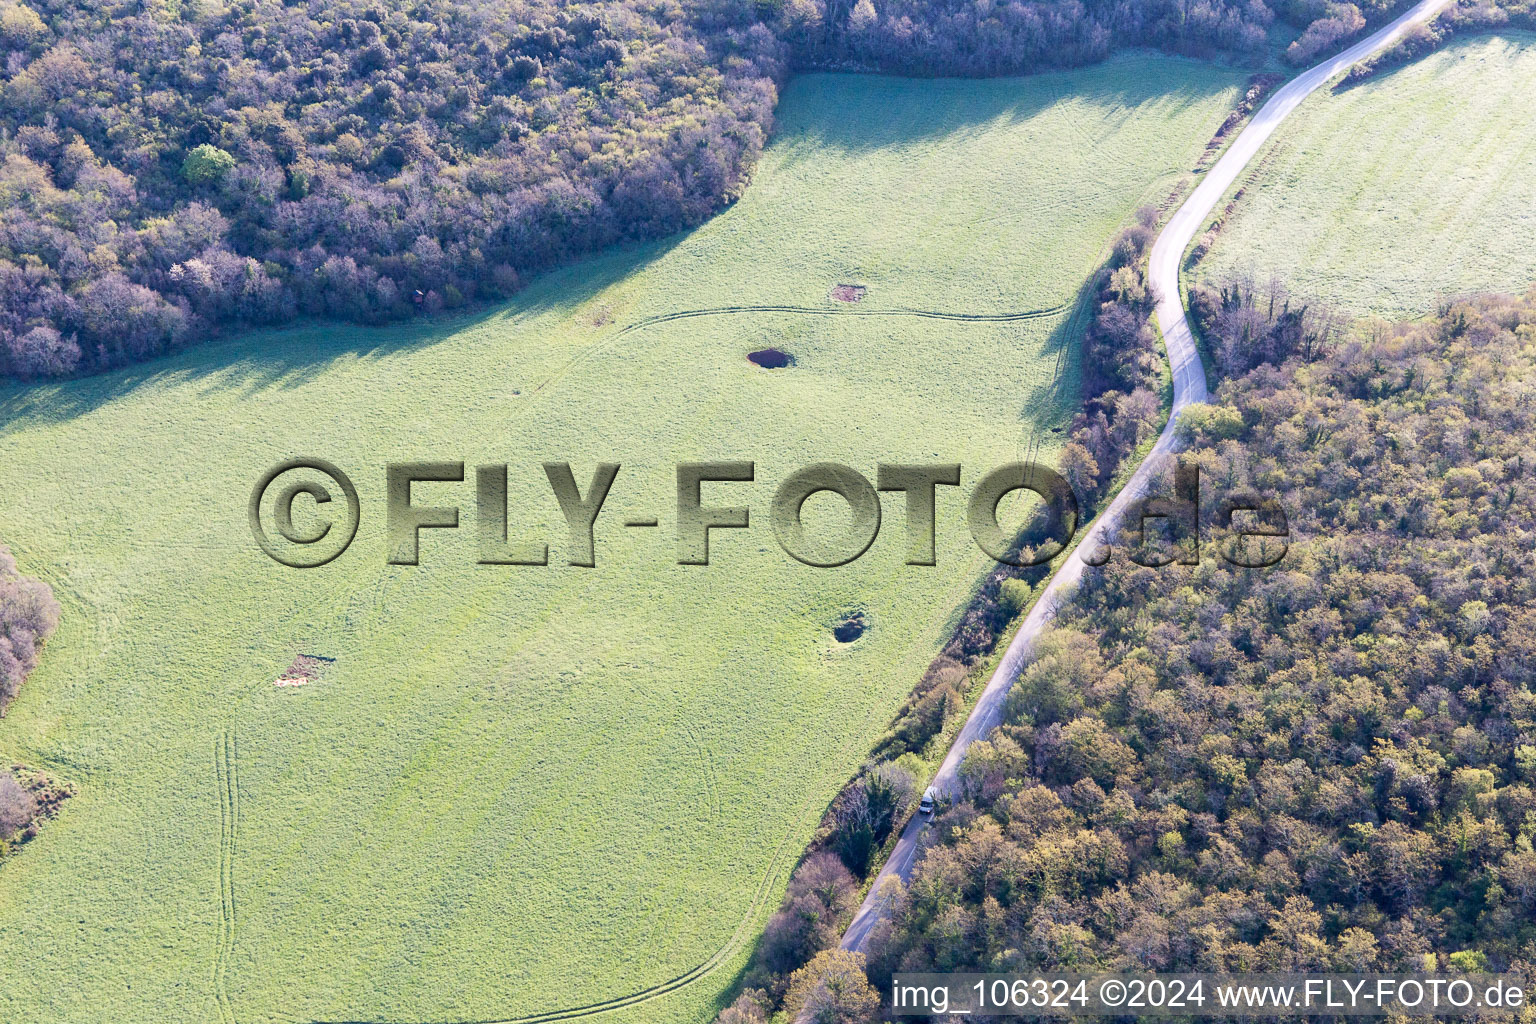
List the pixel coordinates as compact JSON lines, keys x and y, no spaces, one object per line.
{"x":1272,"y":996}
{"x":305,"y":512}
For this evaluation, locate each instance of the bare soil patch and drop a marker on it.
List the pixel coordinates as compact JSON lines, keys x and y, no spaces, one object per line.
{"x":305,"y":669}
{"x":848,"y":292}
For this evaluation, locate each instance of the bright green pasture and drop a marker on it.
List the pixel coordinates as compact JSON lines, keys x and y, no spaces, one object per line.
{"x":1418,"y":184}
{"x":525,"y":790}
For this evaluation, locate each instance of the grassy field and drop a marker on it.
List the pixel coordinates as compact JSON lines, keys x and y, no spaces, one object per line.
{"x":1414,"y":185}
{"x":523,"y":790}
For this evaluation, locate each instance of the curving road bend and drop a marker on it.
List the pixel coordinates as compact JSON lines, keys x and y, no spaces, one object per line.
{"x":1188,"y":386}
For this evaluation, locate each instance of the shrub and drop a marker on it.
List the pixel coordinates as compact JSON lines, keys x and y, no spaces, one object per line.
{"x":1015,"y":595}
{"x":1209,"y":422}
{"x":17,"y":806}
{"x":820,"y":900}
{"x":1339,"y":23}
{"x":28,"y":616}
{"x":207,"y":165}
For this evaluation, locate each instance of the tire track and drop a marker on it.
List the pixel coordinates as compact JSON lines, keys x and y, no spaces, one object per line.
{"x":224,"y":761}
{"x":742,"y":933}
{"x":226,"y":770}
{"x":996,"y":318}
{"x":707,"y":775}
{"x":687,"y":314}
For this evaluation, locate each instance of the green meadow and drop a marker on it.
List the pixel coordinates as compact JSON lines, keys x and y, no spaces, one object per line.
{"x":519,"y":791}
{"x":1412,"y":186}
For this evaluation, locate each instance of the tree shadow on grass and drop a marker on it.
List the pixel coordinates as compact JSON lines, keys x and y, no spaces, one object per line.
{"x":248,"y":362}
{"x":1065,"y":344}
{"x":858,"y":113}
{"x":1514,"y":38}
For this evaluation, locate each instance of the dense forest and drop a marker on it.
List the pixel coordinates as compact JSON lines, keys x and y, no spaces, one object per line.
{"x":168,"y":168}
{"x":1325,"y":765}
{"x":959,"y":37}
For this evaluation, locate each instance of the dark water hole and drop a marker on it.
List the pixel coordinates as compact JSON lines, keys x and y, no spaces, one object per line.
{"x":771,"y":358}
{"x":850,"y":629}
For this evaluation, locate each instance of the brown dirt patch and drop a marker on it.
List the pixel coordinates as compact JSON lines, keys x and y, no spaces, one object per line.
{"x":848,"y":292}
{"x":305,"y":669}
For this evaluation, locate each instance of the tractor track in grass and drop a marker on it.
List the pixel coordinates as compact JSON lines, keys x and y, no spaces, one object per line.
{"x":226,"y":770}
{"x":739,"y":937}
{"x":1007,"y":317}
{"x":985,"y":318}
{"x":225,"y":760}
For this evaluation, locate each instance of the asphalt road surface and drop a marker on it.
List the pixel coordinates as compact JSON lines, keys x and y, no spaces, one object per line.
{"x":1188,"y":386}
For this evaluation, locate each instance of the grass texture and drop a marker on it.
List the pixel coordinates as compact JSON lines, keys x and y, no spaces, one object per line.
{"x":520,"y":791}
{"x":1385,"y":197}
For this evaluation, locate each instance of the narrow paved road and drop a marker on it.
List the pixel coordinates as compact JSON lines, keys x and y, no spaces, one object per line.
{"x":1188,"y":386}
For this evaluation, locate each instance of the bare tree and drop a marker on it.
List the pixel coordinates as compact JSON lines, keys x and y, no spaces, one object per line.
{"x":17,"y":807}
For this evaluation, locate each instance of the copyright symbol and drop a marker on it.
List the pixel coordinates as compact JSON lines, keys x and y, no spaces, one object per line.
{"x":316,"y":542}
{"x":1112,"y":992}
